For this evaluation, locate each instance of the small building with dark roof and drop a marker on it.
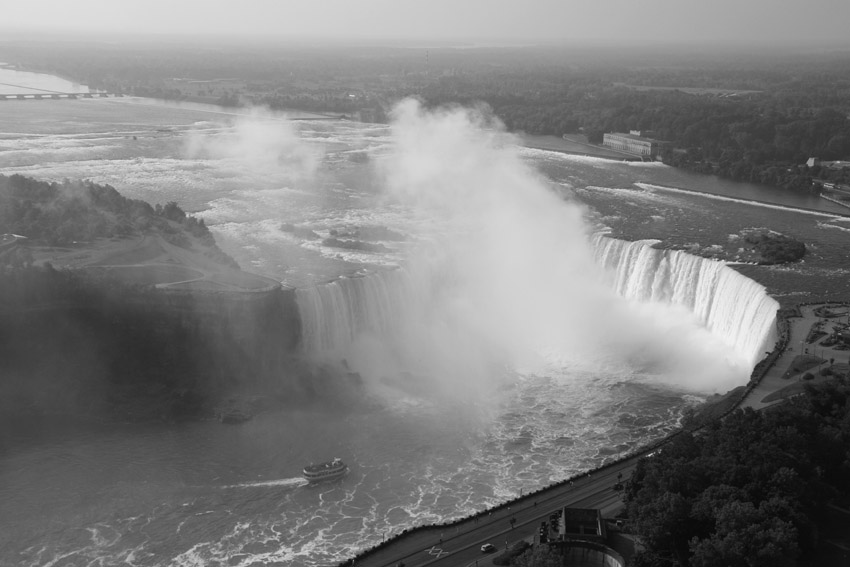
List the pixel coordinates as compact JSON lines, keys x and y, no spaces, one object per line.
{"x":582,"y":523}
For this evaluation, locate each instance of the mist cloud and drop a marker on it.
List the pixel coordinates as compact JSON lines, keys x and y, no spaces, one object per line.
{"x":261,"y":144}
{"x":508,"y":277}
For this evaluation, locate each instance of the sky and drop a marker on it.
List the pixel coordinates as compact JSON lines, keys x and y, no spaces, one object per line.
{"x":797,"y":21}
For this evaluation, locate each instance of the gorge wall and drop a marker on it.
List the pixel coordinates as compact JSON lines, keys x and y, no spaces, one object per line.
{"x":142,"y":354}
{"x":178,"y":353}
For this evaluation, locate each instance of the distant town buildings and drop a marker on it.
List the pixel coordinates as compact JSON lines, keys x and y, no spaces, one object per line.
{"x":634,"y":143}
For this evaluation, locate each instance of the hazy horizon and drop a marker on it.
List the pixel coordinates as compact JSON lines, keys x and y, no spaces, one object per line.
{"x":468,"y":22}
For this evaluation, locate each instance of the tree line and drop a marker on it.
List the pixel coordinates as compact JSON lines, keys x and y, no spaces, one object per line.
{"x":756,"y":136}
{"x":750,"y":490}
{"x":750,"y":115}
{"x":59,"y":214}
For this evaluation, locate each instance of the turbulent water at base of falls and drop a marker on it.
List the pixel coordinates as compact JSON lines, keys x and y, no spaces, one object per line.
{"x":732,"y":306}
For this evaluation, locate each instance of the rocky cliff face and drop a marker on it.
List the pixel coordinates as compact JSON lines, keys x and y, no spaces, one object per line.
{"x":148,"y":353}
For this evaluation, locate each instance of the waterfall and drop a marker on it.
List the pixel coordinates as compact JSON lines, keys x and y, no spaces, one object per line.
{"x":334,"y":314}
{"x":732,"y":306}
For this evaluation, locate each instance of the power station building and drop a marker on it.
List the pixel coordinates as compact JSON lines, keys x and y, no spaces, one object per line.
{"x":633,"y":143}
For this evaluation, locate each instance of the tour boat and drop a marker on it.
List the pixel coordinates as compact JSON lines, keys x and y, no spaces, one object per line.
{"x":325,"y":471}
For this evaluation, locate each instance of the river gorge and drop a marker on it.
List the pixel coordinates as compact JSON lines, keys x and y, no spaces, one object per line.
{"x":512,"y":317}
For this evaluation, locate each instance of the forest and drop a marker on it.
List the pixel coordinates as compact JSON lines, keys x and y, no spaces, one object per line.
{"x":755,"y":489}
{"x":86,"y":342}
{"x":761,"y":136}
{"x":59,"y":214}
{"x":752,"y":114}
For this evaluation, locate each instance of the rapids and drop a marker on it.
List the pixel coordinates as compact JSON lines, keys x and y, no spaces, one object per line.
{"x":206,"y":493}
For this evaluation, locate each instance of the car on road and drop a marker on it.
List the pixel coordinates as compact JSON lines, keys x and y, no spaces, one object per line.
{"x":488,"y":548}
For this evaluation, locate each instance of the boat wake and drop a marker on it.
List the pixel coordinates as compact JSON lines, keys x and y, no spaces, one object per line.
{"x":296,"y":482}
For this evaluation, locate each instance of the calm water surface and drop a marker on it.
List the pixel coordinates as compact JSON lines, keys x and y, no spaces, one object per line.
{"x":13,"y":81}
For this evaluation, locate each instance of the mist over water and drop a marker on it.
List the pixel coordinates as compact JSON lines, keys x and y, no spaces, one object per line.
{"x":503,"y":344}
{"x":259,"y":143}
{"x":505,"y":276}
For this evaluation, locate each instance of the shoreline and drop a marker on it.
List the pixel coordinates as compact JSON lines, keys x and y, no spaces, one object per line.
{"x":487,"y":524}
{"x":749,"y":201}
{"x":529,"y":142}
{"x":575,"y":147}
{"x":583,"y":154}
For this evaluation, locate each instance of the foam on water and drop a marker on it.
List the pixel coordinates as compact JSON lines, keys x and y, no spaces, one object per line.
{"x":296,"y":482}
{"x":638,"y":194}
{"x":835,"y":223}
{"x":419,"y":458}
{"x":651,"y":187}
{"x":595,"y":162}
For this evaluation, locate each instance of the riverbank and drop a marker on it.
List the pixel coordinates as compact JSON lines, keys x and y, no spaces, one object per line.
{"x":457,"y":542}
{"x":809,"y":332}
{"x":836,"y":201}
{"x":750,"y":201}
{"x":574,"y":145}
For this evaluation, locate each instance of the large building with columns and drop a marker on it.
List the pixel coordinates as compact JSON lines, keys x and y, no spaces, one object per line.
{"x":633,"y":143}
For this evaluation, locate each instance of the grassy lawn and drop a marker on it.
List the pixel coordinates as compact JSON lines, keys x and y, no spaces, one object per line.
{"x":801,"y":363}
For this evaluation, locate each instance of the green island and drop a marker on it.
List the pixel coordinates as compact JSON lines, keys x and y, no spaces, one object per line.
{"x":753,"y":246}
{"x":113,"y":308}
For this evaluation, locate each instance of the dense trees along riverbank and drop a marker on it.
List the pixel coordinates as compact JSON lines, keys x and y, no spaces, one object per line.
{"x":748,"y":114}
{"x":761,"y":136}
{"x":754,"y":489}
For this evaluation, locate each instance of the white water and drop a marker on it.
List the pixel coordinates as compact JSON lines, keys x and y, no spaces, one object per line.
{"x":295,"y":482}
{"x":336,"y":314}
{"x":210,"y":494}
{"x":733,"y":307}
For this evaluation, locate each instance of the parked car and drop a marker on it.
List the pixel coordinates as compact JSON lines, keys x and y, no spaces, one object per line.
{"x":488,"y":548}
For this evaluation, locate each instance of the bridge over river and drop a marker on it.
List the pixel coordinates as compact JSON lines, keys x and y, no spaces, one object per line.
{"x":23,"y":92}
{"x":55,"y":96}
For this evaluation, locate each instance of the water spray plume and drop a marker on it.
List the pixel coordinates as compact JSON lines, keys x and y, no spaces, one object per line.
{"x":507,"y":274}
{"x":260,"y":144}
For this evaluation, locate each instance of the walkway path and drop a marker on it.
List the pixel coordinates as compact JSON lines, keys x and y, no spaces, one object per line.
{"x":780,"y":376}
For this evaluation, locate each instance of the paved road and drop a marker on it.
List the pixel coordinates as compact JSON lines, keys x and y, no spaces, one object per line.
{"x":461,"y":545}
{"x":776,"y":379}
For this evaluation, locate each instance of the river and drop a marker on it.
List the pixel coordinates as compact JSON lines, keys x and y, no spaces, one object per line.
{"x":73,"y":491}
